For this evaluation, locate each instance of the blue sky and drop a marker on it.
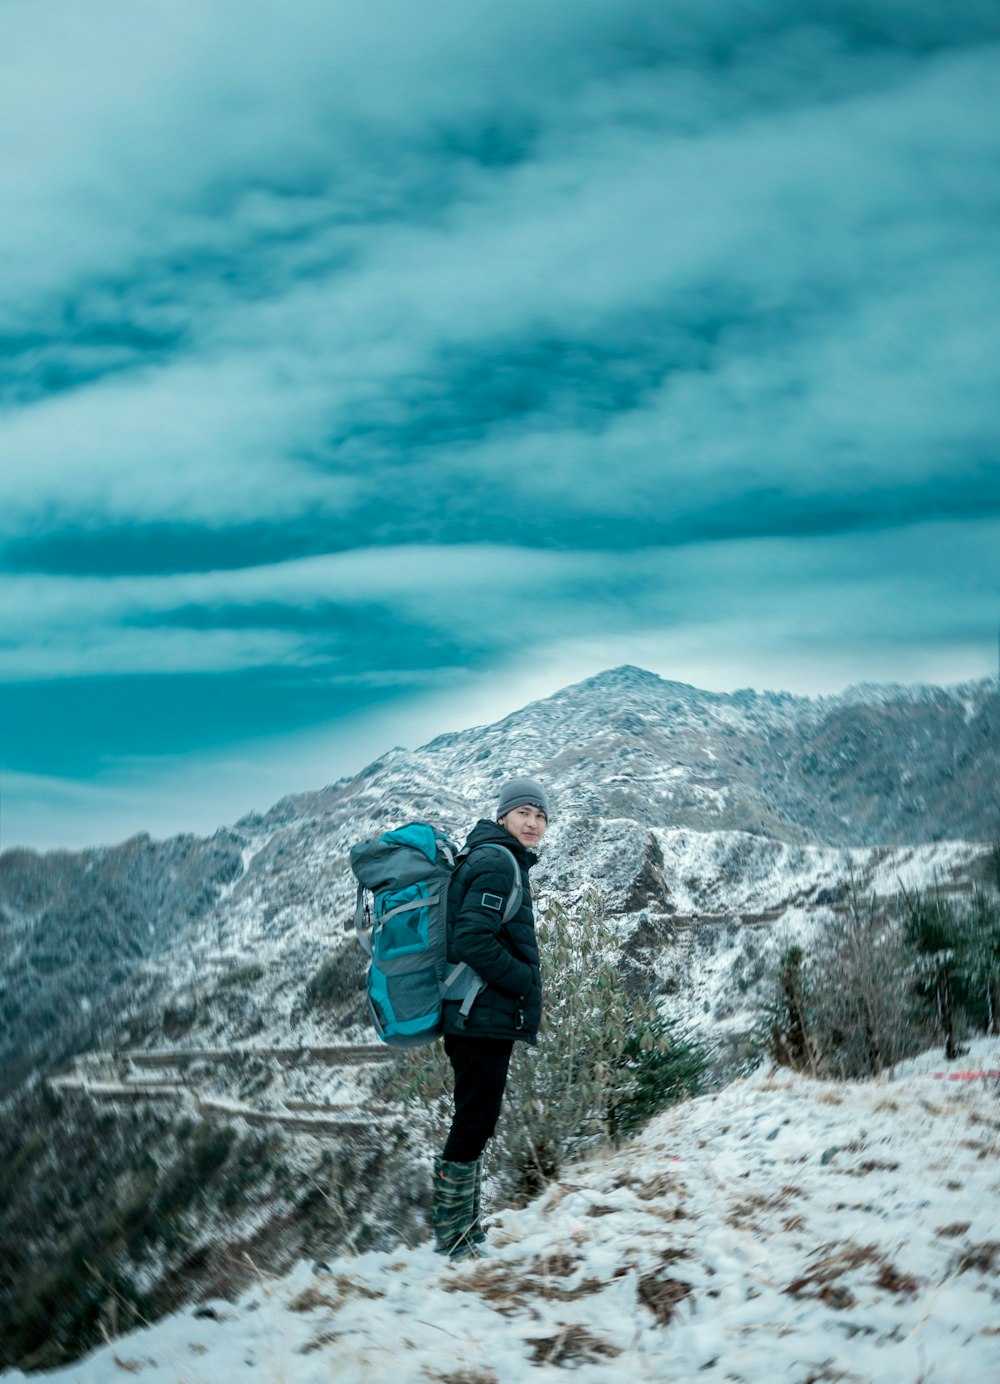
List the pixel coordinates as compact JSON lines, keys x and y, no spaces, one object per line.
{"x":369,"y":369}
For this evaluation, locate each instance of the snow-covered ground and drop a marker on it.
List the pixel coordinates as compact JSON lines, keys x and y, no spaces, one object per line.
{"x":779,"y":1230}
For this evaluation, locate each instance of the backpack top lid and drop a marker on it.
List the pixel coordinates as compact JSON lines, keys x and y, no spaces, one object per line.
{"x":401,"y":857}
{"x":417,"y":834}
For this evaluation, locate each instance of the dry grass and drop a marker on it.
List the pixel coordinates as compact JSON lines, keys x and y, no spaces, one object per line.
{"x":952,"y":1232}
{"x":981,"y":1257}
{"x":745,"y":1213}
{"x":829,"y":1375}
{"x":838,"y":1296}
{"x":476,"y":1376}
{"x":664,"y":1184}
{"x":492,"y":1282}
{"x":541,"y":1273}
{"x":509,"y":1293}
{"x":310,"y":1299}
{"x":553,"y":1266}
{"x":671,"y":1256}
{"x":662,"y":1295}
{"x":555,"y":1196}
{"x":668,"y":1213}
{"x":772,"y":1082}
{"x":347,"y":1286}
{"x":327,"y":1339}
{"x":830,"y":1262}
{"x":587,"y":1287}
{"x":574,"y":1345}
{"x":890,"y":1280}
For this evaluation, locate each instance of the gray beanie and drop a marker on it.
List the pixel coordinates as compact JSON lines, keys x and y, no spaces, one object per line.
{"x":522,"y":792}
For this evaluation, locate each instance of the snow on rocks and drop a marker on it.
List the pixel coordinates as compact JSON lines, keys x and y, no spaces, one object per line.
{"x":780,"y":1229}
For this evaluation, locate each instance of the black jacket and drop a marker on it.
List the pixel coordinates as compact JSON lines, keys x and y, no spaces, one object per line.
{"x":505,"y":955}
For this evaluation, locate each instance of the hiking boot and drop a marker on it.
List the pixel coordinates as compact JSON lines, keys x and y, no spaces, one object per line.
{"x":477,"y":1234}
{"x":452,"y":1213}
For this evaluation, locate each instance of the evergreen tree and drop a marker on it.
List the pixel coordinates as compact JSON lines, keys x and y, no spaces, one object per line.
{"x":941,"y":938}
{"x":786,"y":1014}
{"x":983,"y":959}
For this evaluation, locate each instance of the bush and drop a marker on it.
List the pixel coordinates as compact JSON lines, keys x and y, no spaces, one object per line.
{"x":340,"y":979}
{"x":845,"y":1006}
{"x":604,"y":1065}
{"x":881,"y":979}
{"x":242,"y":977}
{"x":864,"y":1009}
{"x":787,"y":1013}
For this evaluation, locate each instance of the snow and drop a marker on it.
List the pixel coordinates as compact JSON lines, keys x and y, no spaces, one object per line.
{"x":781,"y":1229}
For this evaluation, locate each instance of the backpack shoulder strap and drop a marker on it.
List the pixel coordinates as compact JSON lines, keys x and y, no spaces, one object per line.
{"x":514,"y":897}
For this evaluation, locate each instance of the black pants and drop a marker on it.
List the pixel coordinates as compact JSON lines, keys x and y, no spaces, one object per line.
{"x":480,"y":1067}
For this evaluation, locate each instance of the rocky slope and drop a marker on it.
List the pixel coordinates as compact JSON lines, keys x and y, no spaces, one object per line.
{"x":76,"y":930}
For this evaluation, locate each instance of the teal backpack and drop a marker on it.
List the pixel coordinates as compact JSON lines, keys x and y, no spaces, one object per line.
{"x":405,"y":931}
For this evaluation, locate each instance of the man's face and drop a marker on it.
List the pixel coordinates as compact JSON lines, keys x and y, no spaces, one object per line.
{"x":525,"y":824}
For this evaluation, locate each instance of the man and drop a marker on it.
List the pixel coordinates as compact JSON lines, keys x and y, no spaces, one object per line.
{"x":507,"y":1010}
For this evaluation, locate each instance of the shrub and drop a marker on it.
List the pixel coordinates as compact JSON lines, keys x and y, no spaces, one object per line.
{"x":880,"y":979}
{"x":242,"y":977}
{"x":787,"y":1016}
{"x":983,"y":960}
{"x":864,"y":1012}
{"x":339,"y":980}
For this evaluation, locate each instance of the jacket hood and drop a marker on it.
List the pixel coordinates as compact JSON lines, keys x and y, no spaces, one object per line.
{"x":493,"y":831}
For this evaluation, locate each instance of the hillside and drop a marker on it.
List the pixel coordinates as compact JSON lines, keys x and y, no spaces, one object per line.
{"x":779,"y":1229}
{"x":77,"y":929}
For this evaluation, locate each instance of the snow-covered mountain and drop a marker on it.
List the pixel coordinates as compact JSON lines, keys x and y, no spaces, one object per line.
{"x":675,"y":805}
{"x":209,"y":978}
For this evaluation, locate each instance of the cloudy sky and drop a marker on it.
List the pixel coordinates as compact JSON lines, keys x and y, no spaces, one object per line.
{"x":368,"y":369}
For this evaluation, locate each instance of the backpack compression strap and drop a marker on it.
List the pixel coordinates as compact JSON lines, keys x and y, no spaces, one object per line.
{"x":362,"y":916}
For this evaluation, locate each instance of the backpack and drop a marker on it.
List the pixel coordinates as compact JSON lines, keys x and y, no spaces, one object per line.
{"x":408,"y":872}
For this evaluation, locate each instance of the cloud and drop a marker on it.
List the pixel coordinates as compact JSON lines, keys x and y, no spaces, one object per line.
{"x":763,"y":263}
{"x":403,"y":616}
{"x":355,"y":354}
